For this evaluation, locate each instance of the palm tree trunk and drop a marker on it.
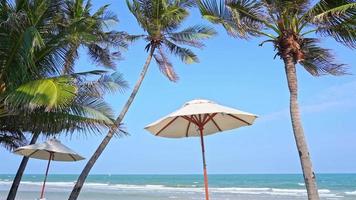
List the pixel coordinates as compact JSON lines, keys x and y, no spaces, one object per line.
{"x":307,"y":167}
{"x":81,"y":179}
{"x":20,"y":171}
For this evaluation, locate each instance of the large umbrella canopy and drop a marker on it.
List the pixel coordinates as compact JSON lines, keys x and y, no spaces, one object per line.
{"x":52,"y":146}
{"x":199,"y":118}
{"x":186,"y":121}
{"x":50,"y":150}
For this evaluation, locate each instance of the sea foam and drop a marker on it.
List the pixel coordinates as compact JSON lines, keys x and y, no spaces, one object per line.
{"x":171,"y":189}
{"x":351,"y":193}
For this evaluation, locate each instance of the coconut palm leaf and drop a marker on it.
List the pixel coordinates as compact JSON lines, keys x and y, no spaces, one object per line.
{"x":344,"y":33}
{"x":107,"y":83}
{"x":331,"y":12}
{"x":165,"y":66}
{"x":319,"y":61}
{"x":48,"y":93}
{"x":185,"y":54}
{"x":248,"y":15}
{"x":335,"y":19}
{"x":12,"y":140}
{"x":218,"y":13}
{"x":192,"y":36}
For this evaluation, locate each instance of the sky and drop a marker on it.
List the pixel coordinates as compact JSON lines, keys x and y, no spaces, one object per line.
{"x":231,"y":72}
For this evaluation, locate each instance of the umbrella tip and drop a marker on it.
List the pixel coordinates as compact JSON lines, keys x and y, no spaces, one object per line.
{"x":198,"y":101}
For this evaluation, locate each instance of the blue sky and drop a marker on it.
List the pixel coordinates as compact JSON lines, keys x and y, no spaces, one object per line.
{"x":231,"y":72}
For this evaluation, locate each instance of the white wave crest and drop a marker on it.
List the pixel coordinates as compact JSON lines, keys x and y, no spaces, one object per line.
{"x":351,"y":193}
{"x":181,"y":189}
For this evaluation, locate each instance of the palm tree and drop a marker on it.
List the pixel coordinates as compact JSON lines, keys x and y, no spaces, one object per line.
{"x":287,"y":24}
{"x":160,"y":19}
{"x":33,"y":50}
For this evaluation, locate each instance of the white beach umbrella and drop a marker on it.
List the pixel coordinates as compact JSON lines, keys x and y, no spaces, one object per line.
{"x":50,"y":150}
{"x":199,"y":118}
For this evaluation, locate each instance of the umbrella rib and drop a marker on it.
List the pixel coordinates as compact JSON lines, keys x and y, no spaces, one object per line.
{"x":217,"y":126}
{"x":204,"y":121}
{"x":239,"y":119}
{"x":72,"y":157}
{"x":33,"y":153}
{"x":169,"y":123}
{"x":195,"y":118}
{"x":209,"y":118}
{"x":186,"y":134}
{"x":190,"y":119}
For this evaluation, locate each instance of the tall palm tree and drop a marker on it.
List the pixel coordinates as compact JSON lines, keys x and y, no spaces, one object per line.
{"x":287,"y":25}
{"x":160,"y":19}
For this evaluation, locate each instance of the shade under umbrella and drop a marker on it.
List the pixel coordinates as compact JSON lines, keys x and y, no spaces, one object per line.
{"x":50,"y":150}
{"x":198,"y":118}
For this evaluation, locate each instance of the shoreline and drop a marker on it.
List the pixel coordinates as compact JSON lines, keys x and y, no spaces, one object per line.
{"x":187,"y":187}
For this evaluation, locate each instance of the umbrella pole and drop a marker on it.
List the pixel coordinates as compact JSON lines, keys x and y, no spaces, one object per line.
{"x":45,"y":179}
{"x":204,"y":165}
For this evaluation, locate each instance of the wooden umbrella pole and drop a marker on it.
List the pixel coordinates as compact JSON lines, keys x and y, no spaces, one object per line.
{"x":45,"y":179}
{"x":204,"y":164}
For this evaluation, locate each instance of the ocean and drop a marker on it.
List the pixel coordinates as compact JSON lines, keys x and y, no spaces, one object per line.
{"x":184,"y":187}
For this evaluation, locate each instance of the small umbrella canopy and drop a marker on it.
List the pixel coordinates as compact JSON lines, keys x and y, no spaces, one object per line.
{"x":218,"y":118}
{"x":50,"y":150}
{"x":199,"y":118}
{"x":43,"y":150}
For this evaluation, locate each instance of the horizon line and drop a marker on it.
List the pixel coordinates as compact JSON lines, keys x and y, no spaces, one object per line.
{"x":114,"y":174}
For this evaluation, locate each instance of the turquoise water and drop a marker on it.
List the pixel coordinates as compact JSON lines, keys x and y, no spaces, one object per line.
{"x":187,"y":187}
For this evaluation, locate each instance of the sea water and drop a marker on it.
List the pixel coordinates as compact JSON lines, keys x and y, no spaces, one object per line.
{"x":184,"y":187}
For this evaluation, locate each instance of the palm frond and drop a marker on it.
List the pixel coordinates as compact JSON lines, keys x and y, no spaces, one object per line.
{"x":186,"y":3}
{"x":71,"y":56}
{"x":319,"y":61}
{"x":240,"y":18}
{"x":218,"y":13}
{"x":331,"y":12}
{"x":192,"y":36}
{"x":12,"y":140}
{"x":291,"y":8}
{"x":248,"y":15}
{"x":186,"y":55}
{"x":47,"y":93}
{"x":101,"y":55}
{"x":336,"y":19}
{"x":344,"y":33}
{"x":106,"y":83}
{"x":165,"y":66}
